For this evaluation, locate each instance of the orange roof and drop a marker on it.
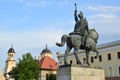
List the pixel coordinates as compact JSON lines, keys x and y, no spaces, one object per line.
{"x":48,"y":63}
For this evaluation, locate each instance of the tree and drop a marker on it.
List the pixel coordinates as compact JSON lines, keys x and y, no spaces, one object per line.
{"x":27,"y":68}
{"x":52,"y":76}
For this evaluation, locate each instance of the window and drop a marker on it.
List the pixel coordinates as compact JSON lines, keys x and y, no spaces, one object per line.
{"x":100,"y":58}
{"x":118,"y":55}
{"x":110,"y":72}
{"x":92,"y":59}
{"x":109,"y":56}
{"x":47,"y":77}
{"x":70,"y":61}
{"x":119,"y":70}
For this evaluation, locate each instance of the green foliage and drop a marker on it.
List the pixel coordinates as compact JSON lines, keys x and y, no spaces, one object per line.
{"x":27,"y":68}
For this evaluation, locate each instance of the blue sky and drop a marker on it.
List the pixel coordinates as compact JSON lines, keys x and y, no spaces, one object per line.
{"x":31,"y":24}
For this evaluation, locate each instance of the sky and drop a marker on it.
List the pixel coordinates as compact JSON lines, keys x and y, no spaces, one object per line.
{"x":31,"y":24}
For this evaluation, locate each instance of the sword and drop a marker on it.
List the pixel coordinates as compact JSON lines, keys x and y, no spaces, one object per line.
{"x":75,"y":7}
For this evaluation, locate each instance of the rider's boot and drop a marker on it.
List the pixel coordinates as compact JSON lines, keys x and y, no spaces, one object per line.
{"x":83,"y":40}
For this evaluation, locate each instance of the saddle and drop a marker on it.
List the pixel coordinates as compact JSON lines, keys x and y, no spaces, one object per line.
{"x":74,"y":33}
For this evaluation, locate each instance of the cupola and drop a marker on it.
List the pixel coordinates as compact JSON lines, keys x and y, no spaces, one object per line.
{"x":46,"y":52}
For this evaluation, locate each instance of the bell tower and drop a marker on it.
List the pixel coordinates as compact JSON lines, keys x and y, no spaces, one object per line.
{"x":10,"y":63}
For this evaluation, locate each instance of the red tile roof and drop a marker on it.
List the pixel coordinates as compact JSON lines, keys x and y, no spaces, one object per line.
{"x":48,"y":63}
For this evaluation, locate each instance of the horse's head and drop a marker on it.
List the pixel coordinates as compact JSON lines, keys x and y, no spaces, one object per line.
{"x":94,"y":35}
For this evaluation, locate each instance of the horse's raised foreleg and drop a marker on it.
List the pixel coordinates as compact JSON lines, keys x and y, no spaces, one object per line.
{"x":76,"y":55}
{"x":87,"y":56}
{"x":66,"y":53}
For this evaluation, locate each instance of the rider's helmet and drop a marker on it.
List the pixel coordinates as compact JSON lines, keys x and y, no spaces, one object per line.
{"x":80,"y":15}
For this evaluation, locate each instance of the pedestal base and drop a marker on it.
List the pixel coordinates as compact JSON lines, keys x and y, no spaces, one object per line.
{"x":79,"y":73}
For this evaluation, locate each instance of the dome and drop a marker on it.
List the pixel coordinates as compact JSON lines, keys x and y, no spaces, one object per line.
{"x":45,"y":51}
{"x":11,"y":50}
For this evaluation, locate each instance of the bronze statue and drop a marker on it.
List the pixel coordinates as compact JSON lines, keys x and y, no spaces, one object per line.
{"x":81,"y":26}
{"x":80,"y":38}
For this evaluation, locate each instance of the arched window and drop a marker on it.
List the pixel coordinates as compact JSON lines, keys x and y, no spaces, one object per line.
{"x":10,"y":55}
{"x":110,"y":71}
{"x":118,"y":70}
{"x":70,"y":61}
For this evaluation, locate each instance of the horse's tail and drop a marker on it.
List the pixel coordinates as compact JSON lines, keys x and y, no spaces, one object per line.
{"x":63,"y":40}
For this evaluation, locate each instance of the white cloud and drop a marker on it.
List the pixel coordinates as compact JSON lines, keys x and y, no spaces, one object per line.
{"x":34,"y":3}
{"x":34,"y":41}
{"x":30,"y":38}
{"x":37,"y":4}
{"x":43,"y":3}
{"x":105,"y":19}
{"x":101,"y":8}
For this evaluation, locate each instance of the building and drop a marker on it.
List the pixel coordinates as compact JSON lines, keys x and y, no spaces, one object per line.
{"x":1,"y":76}
{"x":10,"y":64}
{"x":109,"y":59}
{"x":47,"y":64}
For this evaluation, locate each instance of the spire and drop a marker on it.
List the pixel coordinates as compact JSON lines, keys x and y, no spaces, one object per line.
{"x":11,"y":45}
{"x":46,"y":46}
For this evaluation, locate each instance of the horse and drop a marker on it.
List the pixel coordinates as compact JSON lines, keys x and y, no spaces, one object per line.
{"x":74,"y":41}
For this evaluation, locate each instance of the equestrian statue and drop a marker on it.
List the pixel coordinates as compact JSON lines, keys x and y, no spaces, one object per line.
{"x":81,"y":38}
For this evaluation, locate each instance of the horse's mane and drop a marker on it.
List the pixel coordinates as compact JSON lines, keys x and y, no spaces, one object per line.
{"x":93,"y":30}
{"x":93,"y":34}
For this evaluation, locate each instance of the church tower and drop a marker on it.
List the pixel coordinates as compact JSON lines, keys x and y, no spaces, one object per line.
{"x":10,"y":63}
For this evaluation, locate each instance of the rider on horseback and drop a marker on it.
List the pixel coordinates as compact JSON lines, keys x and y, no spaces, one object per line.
{"x":80,"y":38}
{"x":81,"y":27}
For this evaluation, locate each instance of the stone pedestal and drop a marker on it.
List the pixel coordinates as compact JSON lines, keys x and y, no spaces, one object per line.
{"x":69,"y":72}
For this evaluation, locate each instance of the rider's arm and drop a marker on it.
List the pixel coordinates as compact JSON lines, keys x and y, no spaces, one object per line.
{"x":75,"y":16}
